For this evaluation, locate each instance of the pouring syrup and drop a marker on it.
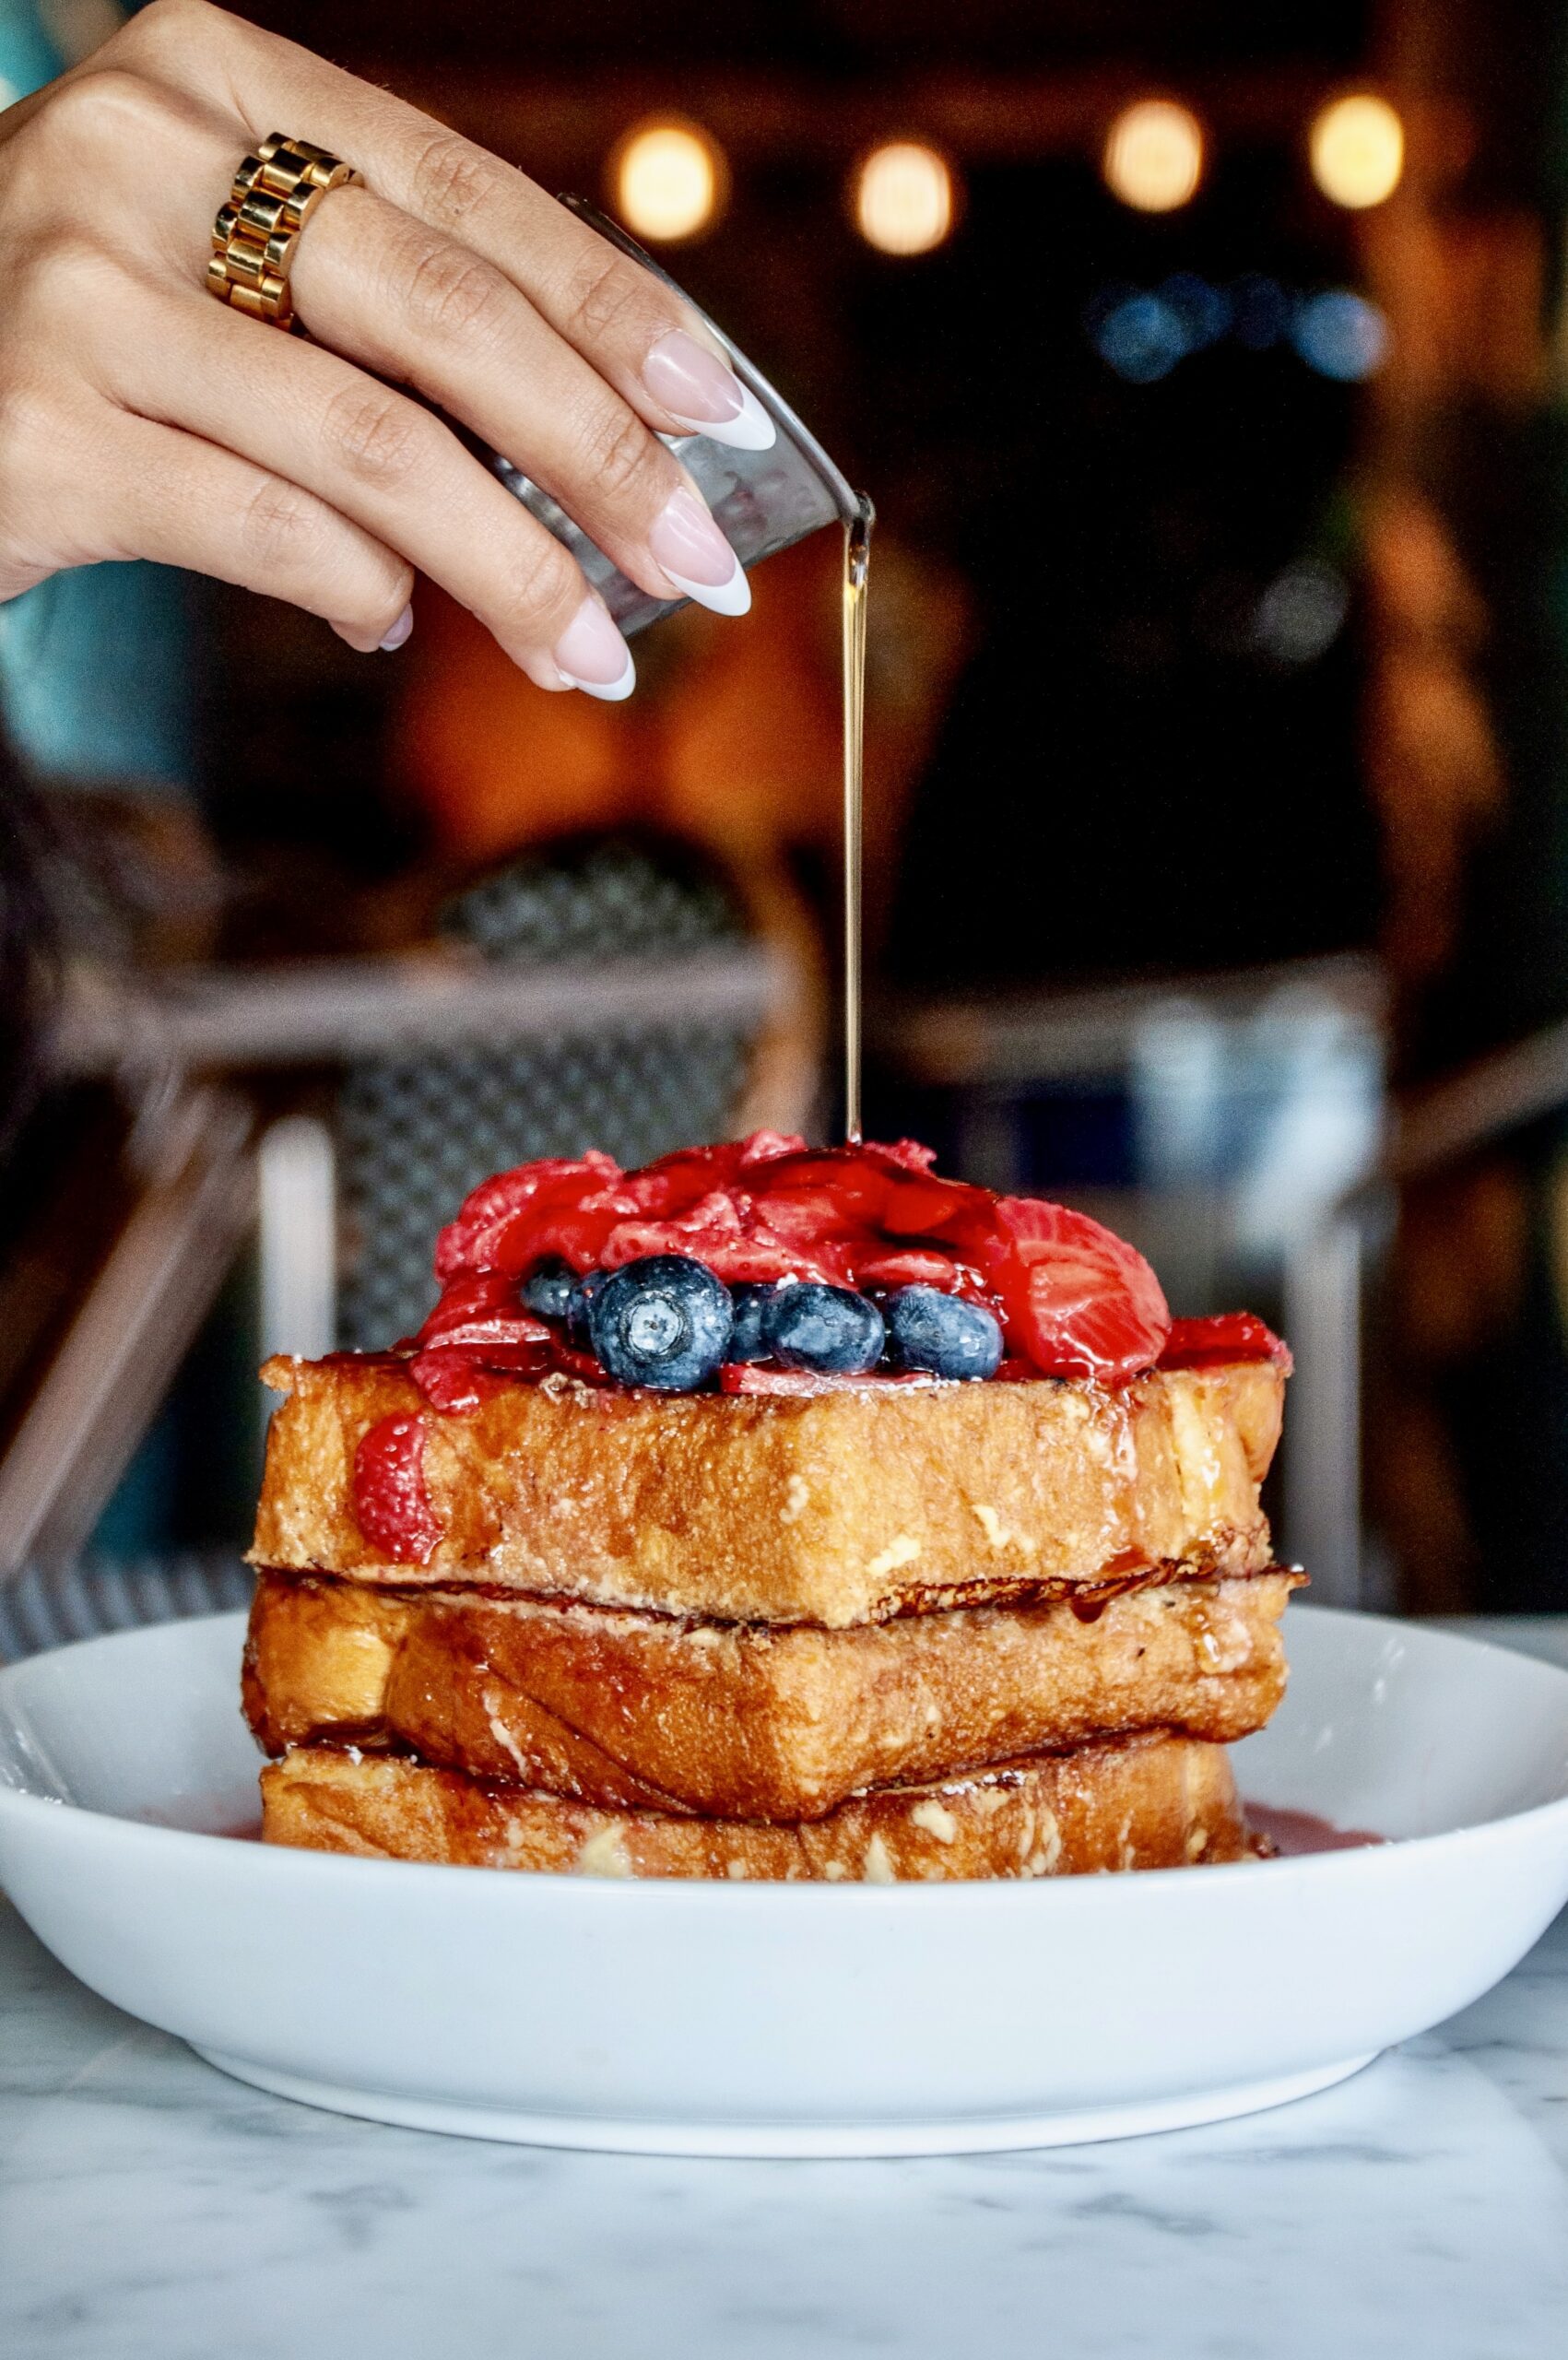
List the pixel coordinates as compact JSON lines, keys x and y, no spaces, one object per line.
{"x":856,"y":567}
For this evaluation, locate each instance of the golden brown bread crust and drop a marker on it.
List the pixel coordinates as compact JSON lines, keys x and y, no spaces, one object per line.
{"x":844,"y":1508}
{"x":640,"y":1712}
{"x":1140,"y":1802}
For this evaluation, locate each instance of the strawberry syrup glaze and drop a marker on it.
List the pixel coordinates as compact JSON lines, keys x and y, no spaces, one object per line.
{"x":1073,"y":1299}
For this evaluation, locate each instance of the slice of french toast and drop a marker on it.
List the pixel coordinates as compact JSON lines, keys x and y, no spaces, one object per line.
{"x":1138,"y":1802}
{"x":848,"y":1507}
{"x":644,"y":1712}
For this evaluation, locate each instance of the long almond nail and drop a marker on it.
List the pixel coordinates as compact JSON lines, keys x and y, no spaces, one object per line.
{"x":591,"y":654}
{"x":688,"y":547}
{"x":705,"y":396}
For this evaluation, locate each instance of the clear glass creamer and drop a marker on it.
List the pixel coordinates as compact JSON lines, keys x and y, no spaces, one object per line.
{"x":761,"y":501}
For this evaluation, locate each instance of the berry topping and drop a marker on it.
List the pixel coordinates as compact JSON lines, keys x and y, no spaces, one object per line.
{"x":1232,"y":1335}
{"x":547,"y":1289}
{"x":391,"y":1506}
{"x":1070,"y":1299}
{"x":749,"y":1301}
{"x":480,"y":1310}
{"x":807,"y":1384}
{"x":579,"y":1303}
{"x":830,"y":1329}
{"x":941,"y":1333}
{"x":1077,"y":1300}
{"x":663,"y":1321}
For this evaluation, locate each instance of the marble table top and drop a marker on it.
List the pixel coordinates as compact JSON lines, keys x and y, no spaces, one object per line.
{"x":151,"y":2210}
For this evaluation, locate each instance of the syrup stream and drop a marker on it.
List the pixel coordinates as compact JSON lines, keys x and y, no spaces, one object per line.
{"x":856,"y":565}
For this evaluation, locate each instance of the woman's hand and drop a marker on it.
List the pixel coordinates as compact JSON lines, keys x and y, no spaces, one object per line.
{"x":138,"y":418}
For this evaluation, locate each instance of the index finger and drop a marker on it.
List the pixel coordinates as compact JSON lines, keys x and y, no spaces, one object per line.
{"x":632,"y":328}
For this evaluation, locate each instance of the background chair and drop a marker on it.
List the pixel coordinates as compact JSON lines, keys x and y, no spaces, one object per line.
{"x":628,"y":994}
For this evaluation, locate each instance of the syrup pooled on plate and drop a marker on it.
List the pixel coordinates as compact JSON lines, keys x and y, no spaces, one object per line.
{"x":1287,"y":1835}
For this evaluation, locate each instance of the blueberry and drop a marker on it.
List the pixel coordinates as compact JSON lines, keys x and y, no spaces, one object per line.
{"x":749,"y":1301}
{"x":547,"y":1289}
{"x":942,"y":1334}
{"x":663,"y":1321}
{"x":579,"y":1302}
{"x":827,"y":1329}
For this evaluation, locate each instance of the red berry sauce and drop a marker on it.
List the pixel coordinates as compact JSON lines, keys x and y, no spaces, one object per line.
{"x":392,"y":1505}
{"x":1073,"y":1299}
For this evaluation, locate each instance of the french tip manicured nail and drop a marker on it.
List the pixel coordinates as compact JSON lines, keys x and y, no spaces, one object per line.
{"x":688,"y":547}
{"x":731,"y":598}
{"x":705,"y":395}
{"x":607,"y":692}
{"x":591,"y":654}
{"x":400,"y":629}
{"x":750,"y":430}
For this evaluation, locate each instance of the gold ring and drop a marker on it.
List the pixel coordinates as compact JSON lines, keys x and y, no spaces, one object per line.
{"x":275,"y":193}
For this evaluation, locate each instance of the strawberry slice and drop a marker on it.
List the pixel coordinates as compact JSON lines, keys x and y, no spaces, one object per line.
{"x":490,"y":1212}
{"x":391,"y":1506}
{"x":802,"y":1384}
{"x":481,"y":1308}
{"x":766,"y":1147}
{"x":1079,"y":1300}
{"x":1229,"y":1336}
{"x":452,"y":1381}
{"x":914,"y":1266}
{"x":730,"y":1253}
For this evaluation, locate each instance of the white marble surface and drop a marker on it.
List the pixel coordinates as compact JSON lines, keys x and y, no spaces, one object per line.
{"x":149,"y":2207}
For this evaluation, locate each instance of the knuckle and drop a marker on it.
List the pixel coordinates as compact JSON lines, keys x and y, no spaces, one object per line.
{"x":90,"y":111}
{"x":602,"y":295}
{"x":62,"y":276}
{"x":169,"y":27}
{"x":542,"y":588}
{"x":618,"y":452}
{"x":453,"y":292}
{"x":376,"y":436}
{"x":449,"y":177}
{"x":281,"y":528}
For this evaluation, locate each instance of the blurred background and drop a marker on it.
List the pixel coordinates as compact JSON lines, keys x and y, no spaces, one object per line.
{"x":1205,"y":365}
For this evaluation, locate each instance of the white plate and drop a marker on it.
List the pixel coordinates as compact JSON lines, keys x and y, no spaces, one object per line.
{"x":795,"y":2020}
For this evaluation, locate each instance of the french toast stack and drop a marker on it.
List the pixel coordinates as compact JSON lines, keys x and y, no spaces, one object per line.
{"x":878,"y":1632}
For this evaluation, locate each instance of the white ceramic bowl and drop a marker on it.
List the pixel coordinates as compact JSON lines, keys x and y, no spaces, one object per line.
{"x":795,"y":2020}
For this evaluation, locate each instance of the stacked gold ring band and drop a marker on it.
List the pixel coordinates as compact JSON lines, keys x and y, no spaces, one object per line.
{"x":275,"y":193}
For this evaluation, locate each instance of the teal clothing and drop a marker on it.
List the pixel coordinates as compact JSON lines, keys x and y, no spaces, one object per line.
{"x":95,"y":665}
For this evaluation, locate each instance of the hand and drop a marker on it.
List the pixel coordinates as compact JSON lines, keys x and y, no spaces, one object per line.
{"x":140,"y":418}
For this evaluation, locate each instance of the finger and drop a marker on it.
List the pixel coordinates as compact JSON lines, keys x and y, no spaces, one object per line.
{"x":183,"y":501}
{"x":634,"y":330}
{"x":384,"y":462}
{"x":413,"y":304}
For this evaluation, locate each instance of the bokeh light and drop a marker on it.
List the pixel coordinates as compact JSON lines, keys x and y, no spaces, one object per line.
{"x":904,"y":197}
{"x":1153,"y":158}
{"x":669,"y":181}
{"x":1300,"y":615}
{"x":1144,"y":333}
{"x":1357,"y":150}
{"x":1341,"y":335}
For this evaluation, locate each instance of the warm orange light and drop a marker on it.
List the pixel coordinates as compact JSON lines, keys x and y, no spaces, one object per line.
{"x":904,"y":197}
{"x":1153,"y":158}
{"x":1357,"y":150}
{"x":669,"y":180}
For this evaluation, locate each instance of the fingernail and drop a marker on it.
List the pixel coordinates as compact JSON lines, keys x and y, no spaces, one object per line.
{"x":705,"y":396}
{"x":591,"y":654}
{"x":690,"y":548}
{"x":400,"y":628}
